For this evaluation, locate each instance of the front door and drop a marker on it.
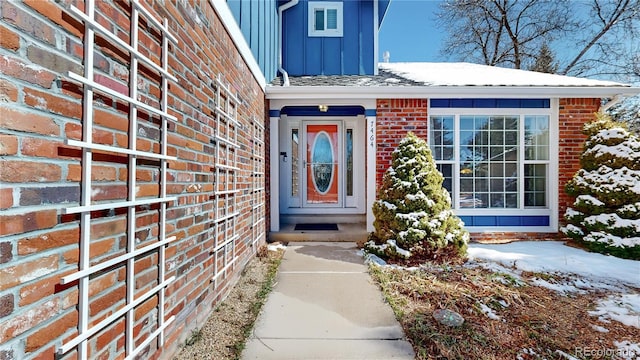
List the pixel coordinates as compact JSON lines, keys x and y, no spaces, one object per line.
{"x":322,"y":164}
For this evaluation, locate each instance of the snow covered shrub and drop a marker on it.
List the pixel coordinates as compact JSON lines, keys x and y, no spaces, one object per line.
{"x":605,"y":216}
{"x":413,"y":211}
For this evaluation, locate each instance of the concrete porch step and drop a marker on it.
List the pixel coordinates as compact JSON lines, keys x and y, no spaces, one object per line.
{"x":347,"y":232}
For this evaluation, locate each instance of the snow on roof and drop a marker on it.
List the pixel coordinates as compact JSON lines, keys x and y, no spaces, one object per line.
{"x":467,"y":74}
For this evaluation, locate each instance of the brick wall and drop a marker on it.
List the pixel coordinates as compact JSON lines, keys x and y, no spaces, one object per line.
{"x":41,"y":107}
{"x":496,"y":237}
{"x":394,"y":119}
{"x":573,"y":114}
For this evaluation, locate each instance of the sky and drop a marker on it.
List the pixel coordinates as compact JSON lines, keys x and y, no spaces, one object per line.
{"x":409,"y":31}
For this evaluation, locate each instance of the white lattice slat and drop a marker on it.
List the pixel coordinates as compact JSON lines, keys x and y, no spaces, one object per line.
{"x":87,"y":158}
{"x":117,"y":150}
{"x":164,"y":105}
{"x":117,"y":205}
{"x":227,"y":142}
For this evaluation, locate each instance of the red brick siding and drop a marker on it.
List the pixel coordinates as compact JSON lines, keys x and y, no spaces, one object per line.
{"x":573,"y":114}
{"x":39,"y":175}
{"x":394,"y":119}
{"x":500,"y":237}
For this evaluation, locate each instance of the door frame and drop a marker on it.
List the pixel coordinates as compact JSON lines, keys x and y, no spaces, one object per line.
{"x":293,"y":204}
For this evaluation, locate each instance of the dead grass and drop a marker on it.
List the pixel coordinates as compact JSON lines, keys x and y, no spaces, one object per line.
{"x":224,"y":334}
{"x":533,"y":320}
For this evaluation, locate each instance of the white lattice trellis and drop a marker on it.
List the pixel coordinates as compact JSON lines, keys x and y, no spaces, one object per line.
{"x":226,"y":172}
{"x":258,"y":184}
{"x":85,"y":269}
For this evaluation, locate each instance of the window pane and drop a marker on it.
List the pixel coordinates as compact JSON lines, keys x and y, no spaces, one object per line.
{"x":441,"y":137}
{"x":481,"y":185}
{"x":466,"y":137}
{"x":295,"y":176}
{"x":481,"y":123}
{"x":481,"y":200}
{"x":447,"y":172}
{"x":497,"y":123}
{"x":497,"y":185}
{"x":466,"y":185}
{"x":489,"y":161}
{"x":466,"y":122}
{"x":332,"y":19}
{"x":511,"y":201}
{"x":535,"y":185}
{"x":511,"y":169}
{"x":349,"y":162}
{"x":511,"y":122}
{"x":497,"y":200}
{"x":536,"y":137}
{"x":319,"y":25}
{"x":511,"y":138}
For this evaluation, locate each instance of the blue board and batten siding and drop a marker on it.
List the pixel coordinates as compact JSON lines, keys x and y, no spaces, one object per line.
{"x":383,"y":5}
{"x":351,"y":54}
{"x":258,"y":21}
{"x":490,"y":103}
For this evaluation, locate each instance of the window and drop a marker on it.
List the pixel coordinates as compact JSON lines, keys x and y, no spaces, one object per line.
{"x":536,"y":160}
{"x":295,"y":159}
{"x":349,"y":156}
{"x":488,"y":161}
{"x":493,"y":162}
{"x":325,"y":19}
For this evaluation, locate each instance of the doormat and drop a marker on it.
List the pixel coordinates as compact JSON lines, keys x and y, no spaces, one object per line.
{"x":316,"y":227}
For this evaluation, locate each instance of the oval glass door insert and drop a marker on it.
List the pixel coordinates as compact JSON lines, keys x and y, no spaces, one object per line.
{"x":322,"y":162}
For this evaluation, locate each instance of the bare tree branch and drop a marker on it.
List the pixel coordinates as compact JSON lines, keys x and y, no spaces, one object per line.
{"x":608,"y":22}
{"x":510,"y":33}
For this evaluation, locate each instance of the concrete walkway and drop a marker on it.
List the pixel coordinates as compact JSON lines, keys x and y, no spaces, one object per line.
{"x":325,"y":306}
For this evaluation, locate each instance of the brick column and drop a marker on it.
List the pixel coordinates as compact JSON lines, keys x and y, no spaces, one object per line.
{"x":573,"y":114}
{"x":395,"y":118}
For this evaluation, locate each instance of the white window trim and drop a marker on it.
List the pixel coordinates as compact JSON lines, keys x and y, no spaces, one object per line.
{"x":324,"y":5}
{"x":552,"y":184}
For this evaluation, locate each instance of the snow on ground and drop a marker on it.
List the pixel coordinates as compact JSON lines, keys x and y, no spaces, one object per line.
{"x":276,"y":247}
{"x":569,"y":270}
{"x":627,"y":350}
{"x":489,"y":312}
{"x":624,"y":308}
{"x":555,"y":257}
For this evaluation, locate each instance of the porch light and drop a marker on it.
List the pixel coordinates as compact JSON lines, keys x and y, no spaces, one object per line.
{"x":323,"y":108}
